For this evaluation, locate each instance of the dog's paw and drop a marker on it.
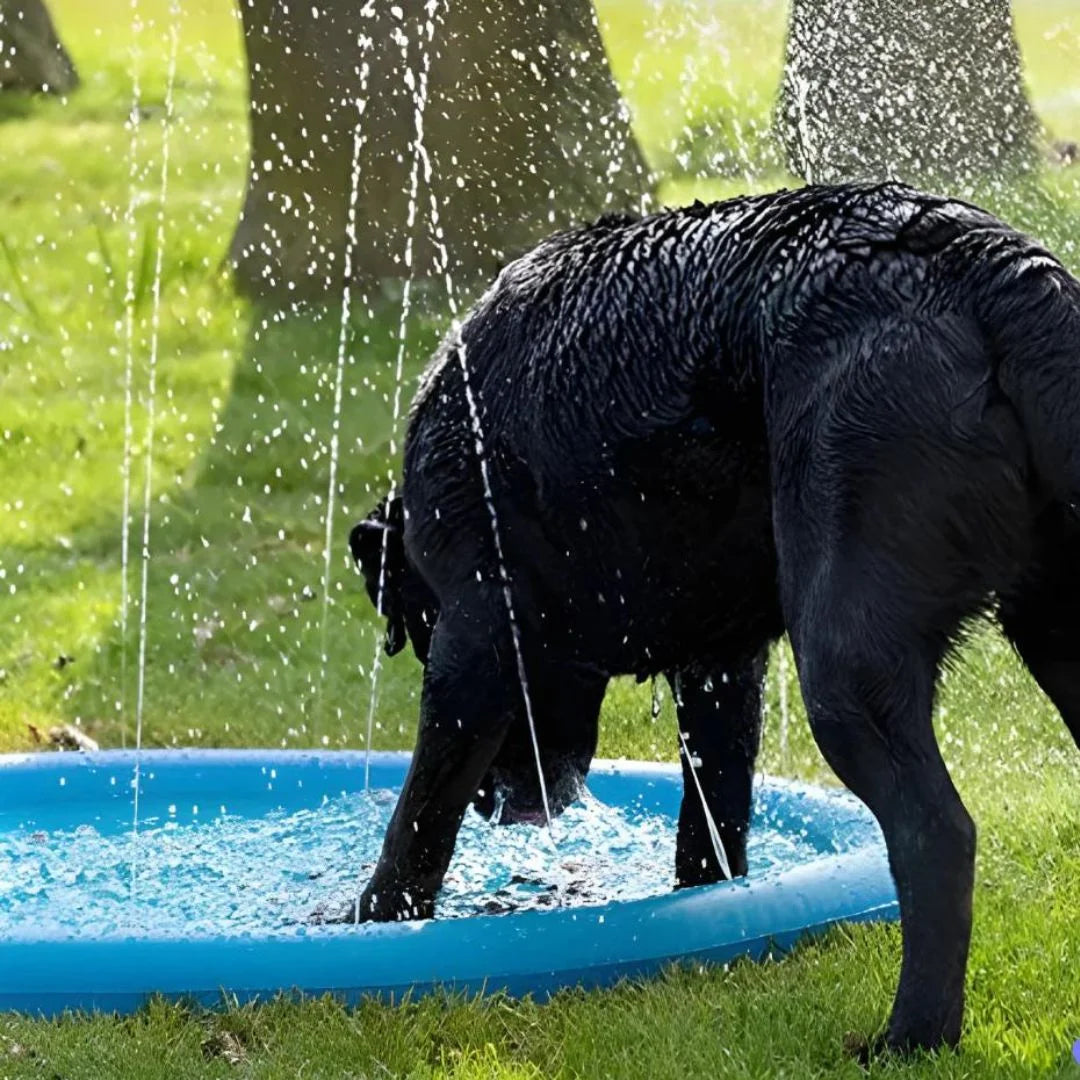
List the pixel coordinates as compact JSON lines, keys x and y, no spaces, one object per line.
{"x":396,"y":905}
{"x":889,"y":1044}
{"x":332,"y":913}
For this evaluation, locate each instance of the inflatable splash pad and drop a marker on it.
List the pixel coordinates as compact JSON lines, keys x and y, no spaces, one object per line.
{"x":213,"y":892}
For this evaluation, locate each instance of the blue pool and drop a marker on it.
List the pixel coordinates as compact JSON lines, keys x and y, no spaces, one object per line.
{"x":235,"y":850}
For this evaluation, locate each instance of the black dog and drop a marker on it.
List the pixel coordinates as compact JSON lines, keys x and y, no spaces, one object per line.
{"x":852,"y":413}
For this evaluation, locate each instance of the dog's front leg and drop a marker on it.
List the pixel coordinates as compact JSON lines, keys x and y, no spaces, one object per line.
{"x":719,"y":713}
{"x":470,"y":690}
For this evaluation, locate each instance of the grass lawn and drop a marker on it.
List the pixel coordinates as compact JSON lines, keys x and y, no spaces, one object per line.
{"x":245,"y":647}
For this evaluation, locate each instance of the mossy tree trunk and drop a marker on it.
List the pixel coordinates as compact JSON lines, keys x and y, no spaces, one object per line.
{"x":922,"y":90}
{"x":31,"y":55}
{"x":525,"y":132}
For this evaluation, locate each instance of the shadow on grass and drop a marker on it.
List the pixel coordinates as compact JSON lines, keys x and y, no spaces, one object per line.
{"x":244,"y":645}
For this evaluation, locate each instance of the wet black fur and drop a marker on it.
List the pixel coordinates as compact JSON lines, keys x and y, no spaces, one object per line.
{"x":851,"y":413}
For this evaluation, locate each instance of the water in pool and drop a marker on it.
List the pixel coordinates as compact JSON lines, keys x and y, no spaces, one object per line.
{"x":235,"y":875}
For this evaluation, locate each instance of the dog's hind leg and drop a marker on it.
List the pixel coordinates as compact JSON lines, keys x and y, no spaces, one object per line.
{"x":869,"y":692}
{"x":1041,"y":614}
{"x":900,"y":488}
{"x":470,"y":693}
{"x":719,"y":715}
{"x":872,"y":590}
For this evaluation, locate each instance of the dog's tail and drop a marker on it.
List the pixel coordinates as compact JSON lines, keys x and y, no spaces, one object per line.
{"x":1035,"y":328}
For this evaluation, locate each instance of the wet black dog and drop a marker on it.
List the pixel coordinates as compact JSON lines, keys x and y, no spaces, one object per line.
{"x":852,"y":413}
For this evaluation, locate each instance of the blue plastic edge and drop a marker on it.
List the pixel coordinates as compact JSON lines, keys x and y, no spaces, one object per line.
{"x":534,"y":952}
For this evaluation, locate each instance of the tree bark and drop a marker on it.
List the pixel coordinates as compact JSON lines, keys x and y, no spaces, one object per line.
{"x":524,"y":131}
{"x":920,"y":90}
{"x":31,"y":55}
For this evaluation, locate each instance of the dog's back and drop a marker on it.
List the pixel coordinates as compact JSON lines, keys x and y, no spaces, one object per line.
{"x":610,"y":333}
{"x":623,"y":379}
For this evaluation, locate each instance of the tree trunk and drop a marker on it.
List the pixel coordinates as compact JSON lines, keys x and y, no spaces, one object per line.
{"x":31,"y":56}
{"x":920,"y":90}
{"x":524,"y":130}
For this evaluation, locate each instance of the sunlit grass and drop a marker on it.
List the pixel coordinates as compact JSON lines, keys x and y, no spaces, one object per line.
{"x":235,"y":612}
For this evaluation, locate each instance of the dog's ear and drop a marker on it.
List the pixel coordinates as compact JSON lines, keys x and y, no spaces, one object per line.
{"x":378,"y":547}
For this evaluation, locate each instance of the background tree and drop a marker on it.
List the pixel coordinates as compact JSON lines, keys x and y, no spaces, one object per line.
{"x":31,"y":55}
{"x":927,"y":90}
{"x":525,"y":132}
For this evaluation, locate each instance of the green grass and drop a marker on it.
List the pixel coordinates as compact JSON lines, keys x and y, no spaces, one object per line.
{"x":235,"y":612}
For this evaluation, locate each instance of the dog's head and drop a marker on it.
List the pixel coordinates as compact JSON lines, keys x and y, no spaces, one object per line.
{"x":395,"y":588}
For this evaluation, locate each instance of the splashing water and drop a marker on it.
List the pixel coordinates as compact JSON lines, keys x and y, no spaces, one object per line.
{"x":155,"y":328}
{"x":211,"y":871}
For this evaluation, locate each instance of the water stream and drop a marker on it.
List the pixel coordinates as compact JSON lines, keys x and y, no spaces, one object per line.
{"x":135,"y":119}
{"x":210,"y":870}
{"x":151,"y":414}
